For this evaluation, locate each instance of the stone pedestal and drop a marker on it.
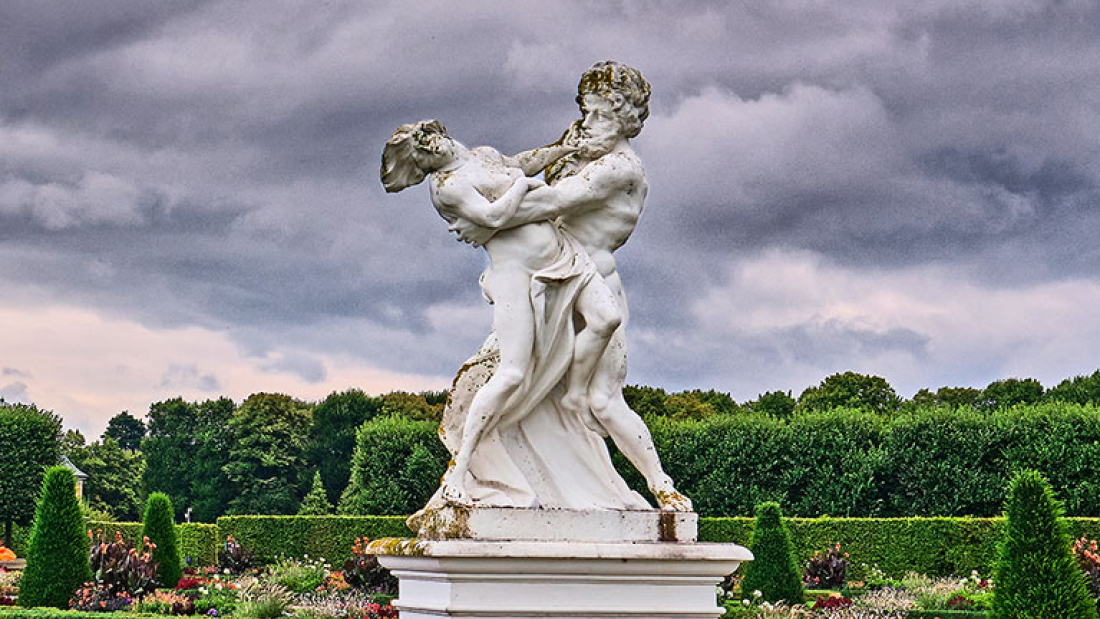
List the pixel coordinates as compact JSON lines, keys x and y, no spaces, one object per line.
{"x":531,"y":576}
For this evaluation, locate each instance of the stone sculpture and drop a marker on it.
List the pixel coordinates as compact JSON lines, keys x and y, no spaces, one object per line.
{"x":528,"y":412}
{"x":531,"y":519}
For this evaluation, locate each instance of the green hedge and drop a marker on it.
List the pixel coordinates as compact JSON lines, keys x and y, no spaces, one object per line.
{"x":932,"y":546}
{"x":843,"y":463}
{"x":331,"y":537}
{"x":197,"y":541}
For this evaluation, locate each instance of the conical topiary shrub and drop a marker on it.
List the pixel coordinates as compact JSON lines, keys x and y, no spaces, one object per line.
{"x":159,"y":525}
{"x":57,"y":555}
{"x":1036,"y":576}
{"x":774,"y":571}
{"x":316,"y":502}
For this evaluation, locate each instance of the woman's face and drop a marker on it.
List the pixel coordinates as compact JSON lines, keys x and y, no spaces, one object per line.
{"x":433,"y":151}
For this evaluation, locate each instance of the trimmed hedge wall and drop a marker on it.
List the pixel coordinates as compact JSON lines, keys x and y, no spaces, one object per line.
{"x":331,"y":537}
{"x":197,"y":541}
{"x":931,"y":546}
{"x":844,"y":463}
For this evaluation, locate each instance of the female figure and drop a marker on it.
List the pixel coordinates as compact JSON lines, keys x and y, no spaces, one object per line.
{"x":483,"y":187}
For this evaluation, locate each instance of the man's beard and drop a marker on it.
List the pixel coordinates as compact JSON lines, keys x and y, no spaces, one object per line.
{"x":594,"y":147}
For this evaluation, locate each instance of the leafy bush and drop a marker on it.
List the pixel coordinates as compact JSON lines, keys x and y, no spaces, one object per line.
{"x":773,"y":571}
{"x":99,"y":598}
{"x":363,"y":571}
{"x":120,"y":569}
{"x":57,"y":560}
{"x":299,"y":575}
{"x":826,"y":570}
{"x":1037,"y":575}
{"x":263,"y":601}
{"x":159,"y":527}
{"x":29,"y":442}
{"x":396,"y":467}
{"x":167,"y":603}
{"x":234,"y":558}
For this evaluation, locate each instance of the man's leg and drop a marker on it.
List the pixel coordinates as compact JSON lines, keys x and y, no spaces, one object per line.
{"x":600,"y":311}
{"x":626,"y":427}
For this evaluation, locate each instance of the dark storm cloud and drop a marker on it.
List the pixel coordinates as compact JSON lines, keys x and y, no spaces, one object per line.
{"x":215,"y":163}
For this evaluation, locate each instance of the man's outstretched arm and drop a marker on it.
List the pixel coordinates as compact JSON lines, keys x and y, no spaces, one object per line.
{"x":583,"y":192}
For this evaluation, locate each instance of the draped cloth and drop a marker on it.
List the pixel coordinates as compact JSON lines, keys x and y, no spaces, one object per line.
{"x":537,"y":454}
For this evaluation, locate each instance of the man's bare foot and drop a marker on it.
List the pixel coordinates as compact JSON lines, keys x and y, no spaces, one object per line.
{"x":455,"y":494}
{"x":668,"y":499}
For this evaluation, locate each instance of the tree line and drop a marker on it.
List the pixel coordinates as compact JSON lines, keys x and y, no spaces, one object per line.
{"x":275,"y":454}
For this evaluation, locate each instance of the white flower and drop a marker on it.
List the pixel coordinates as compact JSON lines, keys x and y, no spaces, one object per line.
{"x":745,"y":602}
{"x":757,"y":594}
{"x":219,"y":586}
{"x":225,"y":571}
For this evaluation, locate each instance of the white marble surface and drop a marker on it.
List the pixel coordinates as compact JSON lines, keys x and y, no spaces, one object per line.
{"x":518,"y":580}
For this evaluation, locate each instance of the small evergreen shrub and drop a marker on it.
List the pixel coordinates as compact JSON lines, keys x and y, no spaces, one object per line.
{"x":316,"y":502}
{"x":57,"y":555}
{"x":1037,"y":576}
{"x":159,"y":526}
{"x":773,"y":572}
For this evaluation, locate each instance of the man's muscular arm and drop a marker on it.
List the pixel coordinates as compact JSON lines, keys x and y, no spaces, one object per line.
{"x":534,"y":161}
{"x":588,"y":190}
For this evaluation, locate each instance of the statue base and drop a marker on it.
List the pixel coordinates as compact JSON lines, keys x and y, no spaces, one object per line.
{"x":550,"y":525}
{"x":478,"y":579}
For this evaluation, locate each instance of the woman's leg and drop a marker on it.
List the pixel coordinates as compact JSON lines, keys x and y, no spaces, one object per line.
{"x":514,"y":323}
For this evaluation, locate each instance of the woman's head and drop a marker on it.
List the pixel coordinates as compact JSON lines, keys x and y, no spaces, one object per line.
{"x":414,"y":151}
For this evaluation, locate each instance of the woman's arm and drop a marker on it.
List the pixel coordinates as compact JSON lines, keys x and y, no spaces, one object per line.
{"x":465,"y":201}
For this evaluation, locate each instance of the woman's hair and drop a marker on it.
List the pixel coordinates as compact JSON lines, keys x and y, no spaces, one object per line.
{"x":399,"y":167}
{"x":624,"y":87}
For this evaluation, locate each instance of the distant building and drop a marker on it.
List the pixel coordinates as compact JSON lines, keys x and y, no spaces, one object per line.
{"x":80,"y":476}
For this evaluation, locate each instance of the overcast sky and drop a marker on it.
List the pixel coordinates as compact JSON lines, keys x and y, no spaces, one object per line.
{"x":190,"y":202}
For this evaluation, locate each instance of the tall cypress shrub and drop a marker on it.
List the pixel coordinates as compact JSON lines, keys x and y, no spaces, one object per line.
{"x":159,"y":525}
{"x":774,"y":570}
{"x":57,"y":556}
{"x":1036,"y":575}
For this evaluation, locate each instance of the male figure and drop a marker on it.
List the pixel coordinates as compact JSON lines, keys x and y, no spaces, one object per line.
{"x":598,"y":194}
